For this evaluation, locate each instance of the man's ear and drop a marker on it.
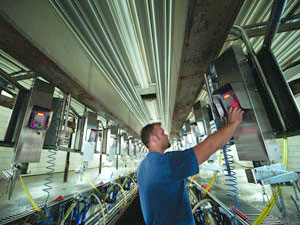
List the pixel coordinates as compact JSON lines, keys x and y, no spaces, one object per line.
{"x":153,"y":139}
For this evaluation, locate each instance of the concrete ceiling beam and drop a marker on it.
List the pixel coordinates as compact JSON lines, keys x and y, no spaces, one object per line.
{"x":207,"y":27}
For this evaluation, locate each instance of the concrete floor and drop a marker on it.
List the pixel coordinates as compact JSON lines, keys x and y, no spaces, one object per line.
{"x":252,"y":194}
{"x":35,"y":184}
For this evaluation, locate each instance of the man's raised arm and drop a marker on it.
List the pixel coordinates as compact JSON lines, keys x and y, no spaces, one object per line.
{"x":217,"y":140}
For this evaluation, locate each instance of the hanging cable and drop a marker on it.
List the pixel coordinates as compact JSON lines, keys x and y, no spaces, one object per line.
{"x":50,"y":174}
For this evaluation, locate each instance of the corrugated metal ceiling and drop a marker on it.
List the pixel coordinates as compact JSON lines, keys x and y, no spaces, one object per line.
{"x":286,"y":45}
{"x":134,"y":45}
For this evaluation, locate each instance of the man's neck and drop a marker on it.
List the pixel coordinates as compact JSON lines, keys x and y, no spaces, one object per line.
{"x":158,"y":150}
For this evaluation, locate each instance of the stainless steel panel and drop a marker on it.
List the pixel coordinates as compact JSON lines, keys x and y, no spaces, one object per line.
{"x":248,"y":140}
{"x":266,"y":132}
{"x":16,"y":118}
{"x":104,"y":141}
{"x":88,"y":148}
{"x":51,"y":134}
{"x":202,"y":113}
{"x":92,"y":122}
{"x":79,"y":133}
{"x":254,"y":137}
{"x":30,"y":142}
{"x":228,"y":70}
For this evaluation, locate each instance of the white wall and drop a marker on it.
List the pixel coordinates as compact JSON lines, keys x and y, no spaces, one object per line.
{"x":293,"y":163}
{"x":5,"y":153}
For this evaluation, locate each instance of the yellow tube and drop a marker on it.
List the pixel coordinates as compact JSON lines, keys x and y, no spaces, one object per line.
{"x":211,"y":219}
{"x":285,"y":151}
{"x":69,"y":211}
{"x":101,"y":206}
{"x":135,"y":184}
{"x":213,"y":179}
{"x":124,"y":195}
{"x":268,"y":208}
{"x":35,"y":206}
{"x":96,"y":189}
{"x":198,"y":205}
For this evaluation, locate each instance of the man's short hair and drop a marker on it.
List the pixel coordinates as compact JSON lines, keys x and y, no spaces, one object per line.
{"x":147,"y":131}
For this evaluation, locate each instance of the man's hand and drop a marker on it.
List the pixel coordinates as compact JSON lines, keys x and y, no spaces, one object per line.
{"x":215,"y":141}
{"x":235,"y":115}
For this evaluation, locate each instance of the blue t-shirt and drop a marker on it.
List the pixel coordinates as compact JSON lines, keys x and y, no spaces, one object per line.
{"x":163,"y":195}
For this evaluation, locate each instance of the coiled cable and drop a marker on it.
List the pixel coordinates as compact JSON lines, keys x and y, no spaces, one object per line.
{"x":50,"y":174}
{"x":230,"y":178}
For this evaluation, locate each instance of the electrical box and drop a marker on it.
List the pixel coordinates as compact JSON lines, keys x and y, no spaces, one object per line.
{"x":89,"y":138}
{"x":224,"y":98}
{"x":92,"y":135}
{"x":198,"y":129}
{"x":203,"y":115}
{"x":254,"y":138}
{"x":35,"y":122}
{"x":40,"y":118}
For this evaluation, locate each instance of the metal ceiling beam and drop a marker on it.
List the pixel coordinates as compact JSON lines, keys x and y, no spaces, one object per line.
{"x":208,"y":25}
{"x":274,"y":21}
{"x":7,"y":102}
{"x":261,"y":24}
{"x":295,"y":86}
{"x":262,"y":31}
{"x":7,"y":76}
{"x":19,"y":47}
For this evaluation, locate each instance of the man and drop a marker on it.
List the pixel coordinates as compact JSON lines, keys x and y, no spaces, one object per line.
{"x":161,"y":177}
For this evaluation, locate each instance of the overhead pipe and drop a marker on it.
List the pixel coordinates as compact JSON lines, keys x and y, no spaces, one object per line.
{"x":274,"y":21}
{"x":242,"y":34}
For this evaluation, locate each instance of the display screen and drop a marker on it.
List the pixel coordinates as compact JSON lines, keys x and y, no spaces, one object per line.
{"x":224,"y":98}
{"x":93,"y":136}
{"x":38,"y":120}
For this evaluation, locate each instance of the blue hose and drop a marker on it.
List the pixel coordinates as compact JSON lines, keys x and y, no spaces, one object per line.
{"x":231,"y":178}
{"x":212,"y":75}
{"x":228,"y":159}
